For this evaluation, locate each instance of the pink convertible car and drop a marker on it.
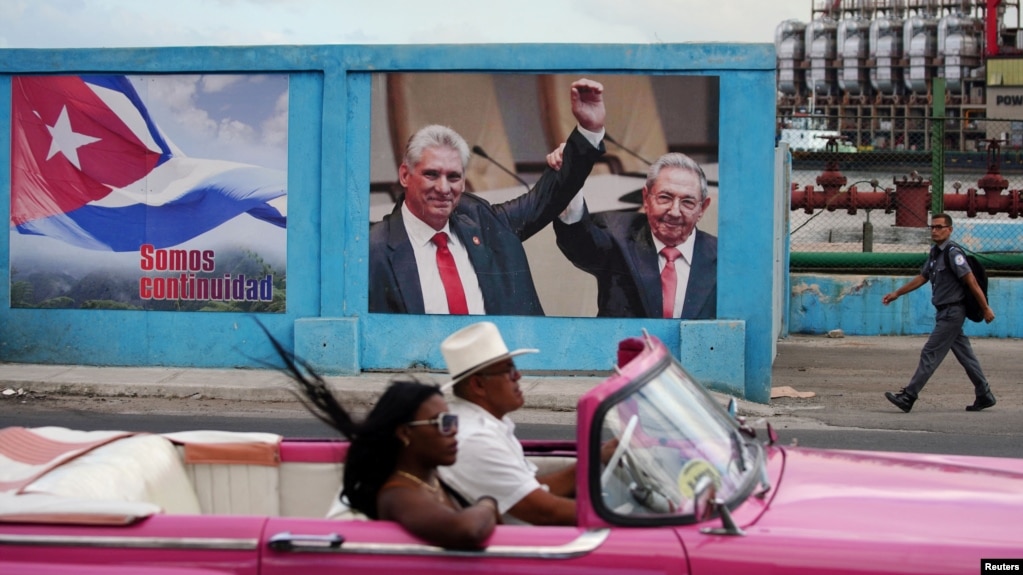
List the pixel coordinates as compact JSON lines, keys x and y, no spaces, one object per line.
{"x":690,"y":490}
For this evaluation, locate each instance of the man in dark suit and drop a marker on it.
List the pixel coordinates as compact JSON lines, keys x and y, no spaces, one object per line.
{"x":653,"y":263}
{"x":444,"y":251}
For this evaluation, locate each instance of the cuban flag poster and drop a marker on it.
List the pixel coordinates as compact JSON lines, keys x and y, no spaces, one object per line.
{"x":157,"y":192}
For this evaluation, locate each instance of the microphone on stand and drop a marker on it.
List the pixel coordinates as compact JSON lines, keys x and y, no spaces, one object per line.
{"x":479,"y":152}
{"x":636,"y":196}
{"x":634,"y":154}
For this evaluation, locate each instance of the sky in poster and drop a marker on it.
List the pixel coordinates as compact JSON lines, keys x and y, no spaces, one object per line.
{"x":229,"y":117}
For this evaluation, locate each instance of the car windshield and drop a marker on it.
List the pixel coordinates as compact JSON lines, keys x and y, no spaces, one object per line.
{"x":672,"y":436}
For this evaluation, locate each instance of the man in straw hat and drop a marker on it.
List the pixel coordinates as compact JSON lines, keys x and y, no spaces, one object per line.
{"x":490,"y":460}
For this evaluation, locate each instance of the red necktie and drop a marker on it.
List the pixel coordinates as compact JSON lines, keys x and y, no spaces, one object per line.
{"x":449,"y":276}
{"x":669,"y":281}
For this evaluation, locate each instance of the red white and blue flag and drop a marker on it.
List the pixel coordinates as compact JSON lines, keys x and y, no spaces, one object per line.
{"x":90,"y":167}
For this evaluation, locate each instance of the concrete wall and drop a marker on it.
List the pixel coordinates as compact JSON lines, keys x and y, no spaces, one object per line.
{"x":328,"y":178}
{"x":820,"y":303}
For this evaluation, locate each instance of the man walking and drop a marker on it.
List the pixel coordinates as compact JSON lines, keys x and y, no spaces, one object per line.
{"x":951,"y":282}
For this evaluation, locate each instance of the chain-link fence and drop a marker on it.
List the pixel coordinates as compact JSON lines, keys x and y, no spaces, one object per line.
{"x":863,"y":203}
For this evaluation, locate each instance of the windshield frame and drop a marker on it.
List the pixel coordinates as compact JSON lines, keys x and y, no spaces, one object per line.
{"x":629,"y":379}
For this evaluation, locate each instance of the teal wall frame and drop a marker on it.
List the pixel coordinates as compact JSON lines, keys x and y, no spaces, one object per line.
{"x":328,"y":181}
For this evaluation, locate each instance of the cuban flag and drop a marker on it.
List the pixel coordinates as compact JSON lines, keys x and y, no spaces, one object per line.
{"x":89,"y":167}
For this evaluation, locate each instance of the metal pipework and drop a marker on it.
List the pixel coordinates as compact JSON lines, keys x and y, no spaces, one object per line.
{"x":851,"y":199}
{"x":974,"y":202}
{"x":912,"y":194}
{"x":909,"y":201}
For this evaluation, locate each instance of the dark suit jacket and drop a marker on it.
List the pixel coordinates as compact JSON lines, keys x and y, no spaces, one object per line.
{"x":618,"y":249}
{"x":493,"y":236}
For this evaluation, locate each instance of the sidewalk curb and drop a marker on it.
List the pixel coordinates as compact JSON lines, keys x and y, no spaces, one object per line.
{"x":558,"y":394}
{"x":545,"y":393}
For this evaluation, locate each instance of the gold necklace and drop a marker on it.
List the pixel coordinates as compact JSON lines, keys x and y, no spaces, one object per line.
{"x":434,"y":489}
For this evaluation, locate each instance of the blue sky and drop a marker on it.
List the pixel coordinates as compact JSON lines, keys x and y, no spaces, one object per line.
{"x":128,"y":23}
{"x":187,"y":106}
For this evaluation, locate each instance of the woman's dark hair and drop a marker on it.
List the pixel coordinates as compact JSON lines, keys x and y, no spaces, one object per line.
{"x":373,"y":452}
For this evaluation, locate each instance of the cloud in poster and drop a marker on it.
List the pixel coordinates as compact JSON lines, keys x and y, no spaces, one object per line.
{"x":242,"y":118}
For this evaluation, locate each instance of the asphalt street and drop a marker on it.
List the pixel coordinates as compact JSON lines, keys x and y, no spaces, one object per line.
{"x":847,"y":377}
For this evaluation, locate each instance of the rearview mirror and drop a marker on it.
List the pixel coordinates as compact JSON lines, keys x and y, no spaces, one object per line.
{"x":706,"y":504}
{"x":704,"y":495}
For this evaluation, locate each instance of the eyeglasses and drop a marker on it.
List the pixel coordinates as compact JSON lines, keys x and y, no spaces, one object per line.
{"x":510,"y":371}
{"x":668,"y":201}
{"x":447,"y":423}
{"x":938,"y":227}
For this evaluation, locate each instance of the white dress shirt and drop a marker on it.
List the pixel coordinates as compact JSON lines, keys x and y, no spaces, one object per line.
{"x":435,"y":299}
{"x":574,"y":212}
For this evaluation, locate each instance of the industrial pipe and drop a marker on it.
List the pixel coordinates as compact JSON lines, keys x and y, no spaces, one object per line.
{"x":851,"y":200}
{"x":909,"y":201}
{"x":974,"y":202}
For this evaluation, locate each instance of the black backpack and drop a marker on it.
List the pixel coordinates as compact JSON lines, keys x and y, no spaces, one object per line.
{"x":974,"y":312}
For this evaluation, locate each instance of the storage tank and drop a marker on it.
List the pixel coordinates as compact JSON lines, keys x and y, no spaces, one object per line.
{"x":886,"y":51}
{"x":790,"y":47}
{"x":921,"y":42}
{"x":852,"y":38}
{"x":959,"y":42}
{"x":821,"y":39}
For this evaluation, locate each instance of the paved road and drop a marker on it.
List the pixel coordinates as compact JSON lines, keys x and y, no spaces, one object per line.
{"x":530,"y":427}
{"x":848,"y":377}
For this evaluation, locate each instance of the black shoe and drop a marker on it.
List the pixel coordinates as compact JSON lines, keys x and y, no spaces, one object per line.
{"x":902,"y":400}
{"x":982,"y":402}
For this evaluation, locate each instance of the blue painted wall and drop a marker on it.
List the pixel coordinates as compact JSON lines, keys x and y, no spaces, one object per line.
{"x":328,"y":207}
{"x":822,"y":302}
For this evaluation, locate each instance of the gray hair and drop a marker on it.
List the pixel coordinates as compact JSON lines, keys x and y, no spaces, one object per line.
{"x":433,"y":136}
{"x":676,"y":160}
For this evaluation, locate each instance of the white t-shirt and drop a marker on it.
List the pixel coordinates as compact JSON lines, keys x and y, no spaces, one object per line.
{"x":490,"y":459}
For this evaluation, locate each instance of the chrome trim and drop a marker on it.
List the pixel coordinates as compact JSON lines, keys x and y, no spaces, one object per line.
{"x":288,"y":542}
{"x":130,"y":542}
{"x":587,"y":542}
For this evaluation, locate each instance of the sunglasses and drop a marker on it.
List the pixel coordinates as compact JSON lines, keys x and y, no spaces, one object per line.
{"x":447,"y":423}
{"x":510,"y":371}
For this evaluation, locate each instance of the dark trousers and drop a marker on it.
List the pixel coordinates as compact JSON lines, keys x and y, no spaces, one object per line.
{"x":948,"y":334}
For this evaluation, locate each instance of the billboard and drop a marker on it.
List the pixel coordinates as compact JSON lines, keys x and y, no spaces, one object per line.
{"x":515,"y":251}
{"x":155,"y":192}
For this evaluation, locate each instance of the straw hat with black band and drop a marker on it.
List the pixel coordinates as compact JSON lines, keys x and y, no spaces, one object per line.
{"x":473,"y":348}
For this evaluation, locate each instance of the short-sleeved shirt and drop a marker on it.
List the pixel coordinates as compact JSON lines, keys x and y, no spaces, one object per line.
{"x":490,"y":459}
{"x":946,"y":287}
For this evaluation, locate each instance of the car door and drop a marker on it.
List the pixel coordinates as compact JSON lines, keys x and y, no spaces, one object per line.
{"x":161,"y":544}
{"x":322,"y":547}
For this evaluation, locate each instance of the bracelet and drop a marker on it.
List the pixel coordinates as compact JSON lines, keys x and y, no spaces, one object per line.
{"x":493,"y":502}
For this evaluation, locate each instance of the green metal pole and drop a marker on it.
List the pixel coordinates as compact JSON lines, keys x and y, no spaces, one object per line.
{"x":891,"y":261}
{"x":938,"y":147}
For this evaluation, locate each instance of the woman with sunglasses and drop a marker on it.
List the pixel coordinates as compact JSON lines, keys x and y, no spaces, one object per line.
{"x":391,"y":467}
